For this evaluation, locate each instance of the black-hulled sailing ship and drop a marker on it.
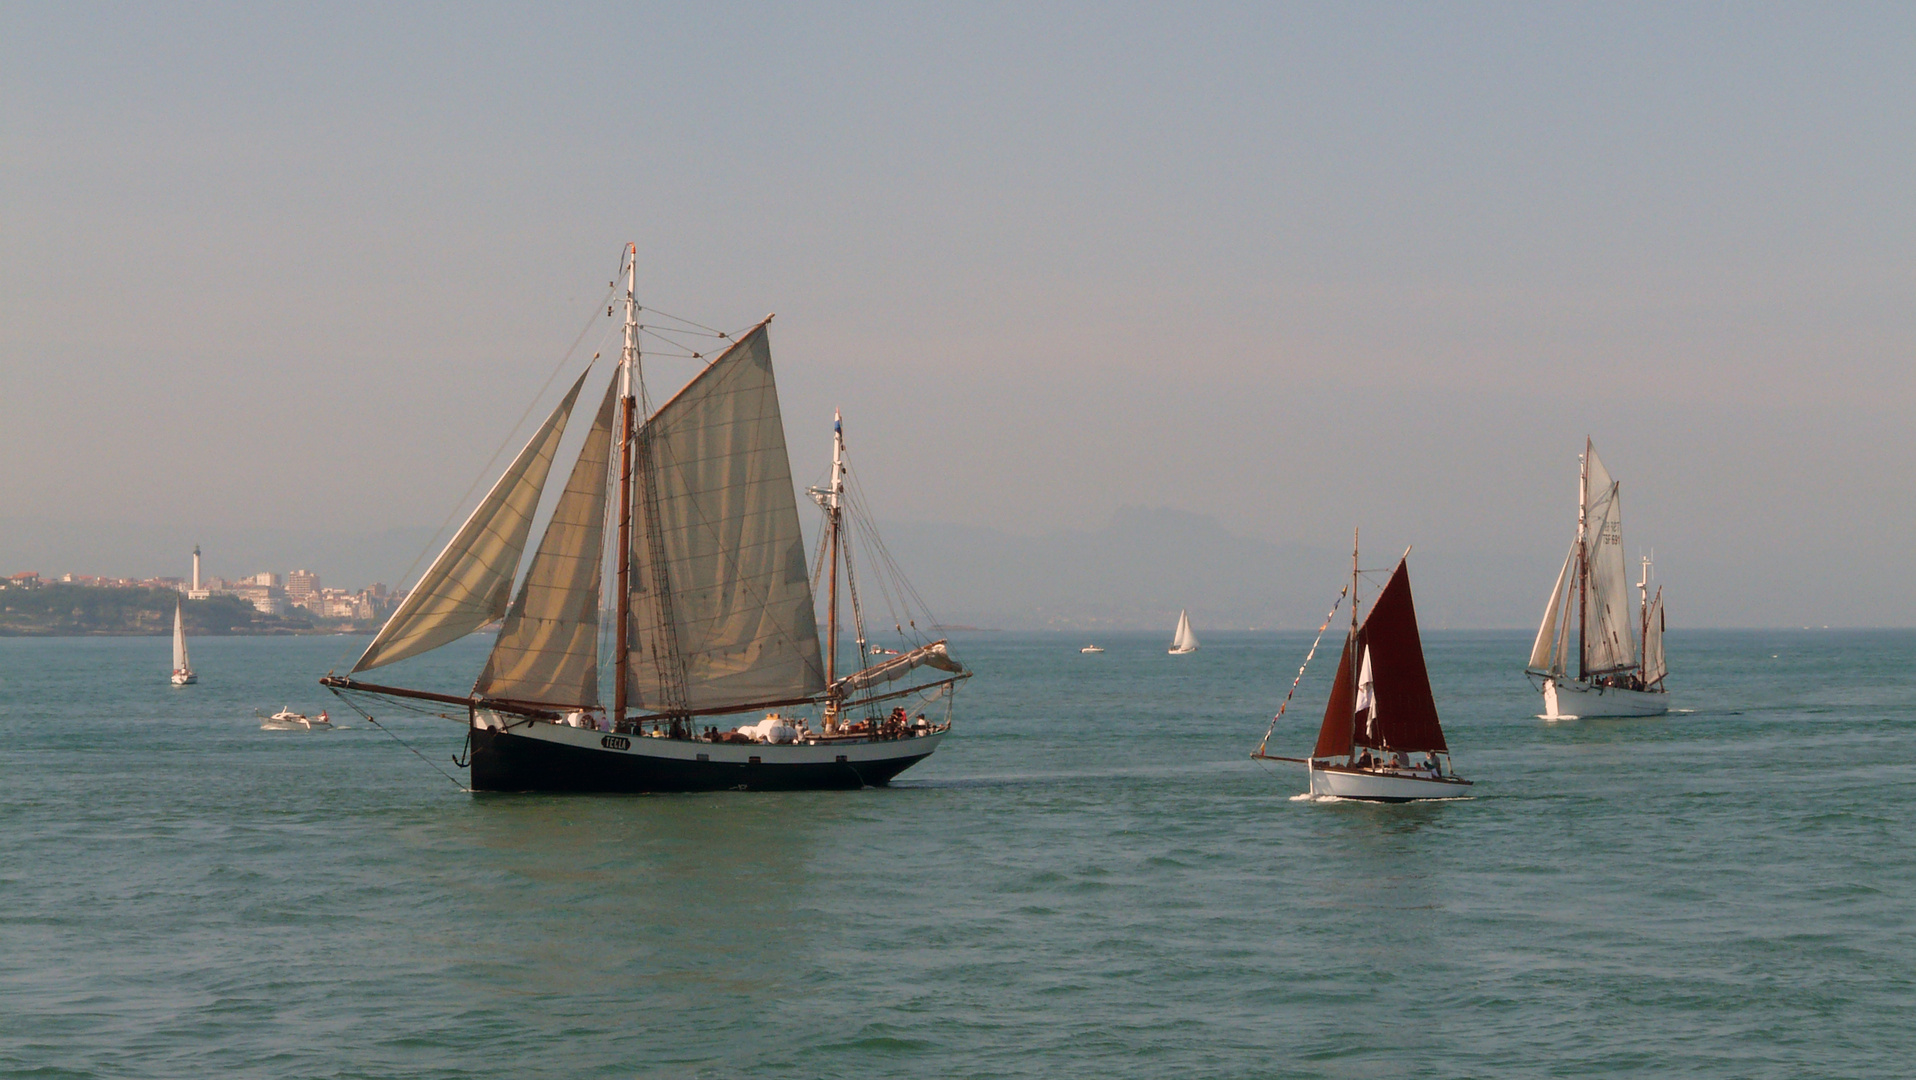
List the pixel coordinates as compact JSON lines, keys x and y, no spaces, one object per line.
{"x":1380,"y":740}
{"x":712,"y":606}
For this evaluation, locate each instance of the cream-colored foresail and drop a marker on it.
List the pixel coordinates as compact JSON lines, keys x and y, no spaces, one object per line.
{"x":548,"y":651}
{"x":1654,"y":667}
{"x":1548,"y":653}
{"x":721,"y":596}
{"x":1609,"y":640}
{"x":470,"y":582}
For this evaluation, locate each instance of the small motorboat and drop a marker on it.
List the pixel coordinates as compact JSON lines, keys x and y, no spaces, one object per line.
{"x":1091,"y":649}
{"x":288,"y":720}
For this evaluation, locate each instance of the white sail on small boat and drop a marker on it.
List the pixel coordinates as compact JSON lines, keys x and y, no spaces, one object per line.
{"x":1380,"y":740}
{"x":1620,"y":667}
{"x":1182,"y":639}
{"x":713,"y":604}
{"x":182,"y":666}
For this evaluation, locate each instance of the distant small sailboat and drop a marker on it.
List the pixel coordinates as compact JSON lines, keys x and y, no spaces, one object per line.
{"x":1380,"y":710}
{"x":1091,"y":649}
{"x":1620,"y":668}
{"x":1183,"y":640}
{"x":182,"y":667}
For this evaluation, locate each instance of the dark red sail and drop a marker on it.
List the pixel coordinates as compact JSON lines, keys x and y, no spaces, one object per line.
{"x":1404,"y":715}
{"x":1334,"y":738}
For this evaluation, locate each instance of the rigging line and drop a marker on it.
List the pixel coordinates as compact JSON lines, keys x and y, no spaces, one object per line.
{"x":718,"y":334}
{"x":1332,"y":614}
{"x":354,"y":706}
{"x":680,"y":318}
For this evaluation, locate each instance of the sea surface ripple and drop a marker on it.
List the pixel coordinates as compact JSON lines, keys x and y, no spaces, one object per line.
{"x":1089,"y":878}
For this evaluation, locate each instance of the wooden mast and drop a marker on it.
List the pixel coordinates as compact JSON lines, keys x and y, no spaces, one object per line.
{"x":628,"y":358}
{"x":832,"y":512}
{"x":1583,"y":568}
{"x":1356,"y":670}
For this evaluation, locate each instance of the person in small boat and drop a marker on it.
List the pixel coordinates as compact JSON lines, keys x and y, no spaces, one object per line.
{"x":1399,"y":760}
{"x":1365,"y":761}
{"x":1430,"y":762}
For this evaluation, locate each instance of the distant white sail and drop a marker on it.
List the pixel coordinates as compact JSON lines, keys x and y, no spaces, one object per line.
{"x":1547,"y":655}
{"x":1609,"y":641}
{"x":470,"y":582}
{"x":722,"y":568}
{"x":1654,"y":668}
{"x":1183,"y":640}
{"x":180,"y":662}
{"x":548,"y":650}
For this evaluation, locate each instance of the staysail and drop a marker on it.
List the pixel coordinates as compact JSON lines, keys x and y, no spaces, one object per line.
{"x":1654,"y":667}
{"x":1398,"y":712}
{"x":180,"y":662}
{"x":1609,"y":641}
{"x":548,"y":651}
{"x":1552,"y":647}
{"x":470,"y":582}
{"x":721,"y":566}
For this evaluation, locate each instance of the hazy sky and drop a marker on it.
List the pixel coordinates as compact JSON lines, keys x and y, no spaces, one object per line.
{"x":1295,"y":268}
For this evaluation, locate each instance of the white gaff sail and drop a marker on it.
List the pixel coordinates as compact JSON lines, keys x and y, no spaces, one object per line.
{"x":1609,"y":638}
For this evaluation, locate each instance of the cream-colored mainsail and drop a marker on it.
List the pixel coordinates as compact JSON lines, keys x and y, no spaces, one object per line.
{"x":1552,"y":647}
{"x":1609,"y":641}
{"x":721,"y":595}
{"x":548,"y":650}
{"x":470,"y":582}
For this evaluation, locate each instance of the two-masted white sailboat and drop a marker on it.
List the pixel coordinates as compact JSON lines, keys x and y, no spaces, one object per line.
{"x":1620,"y":666}
{"x":1182,"y":639}
{"x":182,"y":665}
{"x":1380,"y":740}
{"x":712,"y":606}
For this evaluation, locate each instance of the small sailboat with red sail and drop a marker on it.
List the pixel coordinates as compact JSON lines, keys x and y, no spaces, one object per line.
{"x":1380,"y":740}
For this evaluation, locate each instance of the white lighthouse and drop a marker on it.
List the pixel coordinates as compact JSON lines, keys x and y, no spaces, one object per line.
{"x":196,"y":593}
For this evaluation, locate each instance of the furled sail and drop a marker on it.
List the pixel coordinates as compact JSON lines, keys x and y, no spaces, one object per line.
{"x":470,"y":582}
{"x":934,"y":655}
{"x":721,"y":593}
{"x":179,"y":639}
{"x":1398,"y":712}
{"x":1654,"y":668}
{"x":1547,"y":655}
{"x":1609,"y":641}
{"x":548,"y":650}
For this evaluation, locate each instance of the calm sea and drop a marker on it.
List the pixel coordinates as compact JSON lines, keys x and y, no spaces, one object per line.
{"x":1090,"y":878}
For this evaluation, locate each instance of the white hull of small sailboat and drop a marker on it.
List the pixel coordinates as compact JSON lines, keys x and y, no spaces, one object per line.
{"x":184,"y":678}
{"x":512,"y":754}
{"x":1568,"y":700}
{"x":1394,"y":785}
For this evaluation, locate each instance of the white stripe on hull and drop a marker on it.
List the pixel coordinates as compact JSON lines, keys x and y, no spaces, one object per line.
{"x":1569,"y":700}
{"x":801,"y":753}
{"x":1386,"y":786}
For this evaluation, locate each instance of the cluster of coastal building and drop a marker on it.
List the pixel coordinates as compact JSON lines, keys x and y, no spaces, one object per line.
{"x":269,"y":593}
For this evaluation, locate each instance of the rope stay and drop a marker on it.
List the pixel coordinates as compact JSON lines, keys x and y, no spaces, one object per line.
{"x":1328,"y":617}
